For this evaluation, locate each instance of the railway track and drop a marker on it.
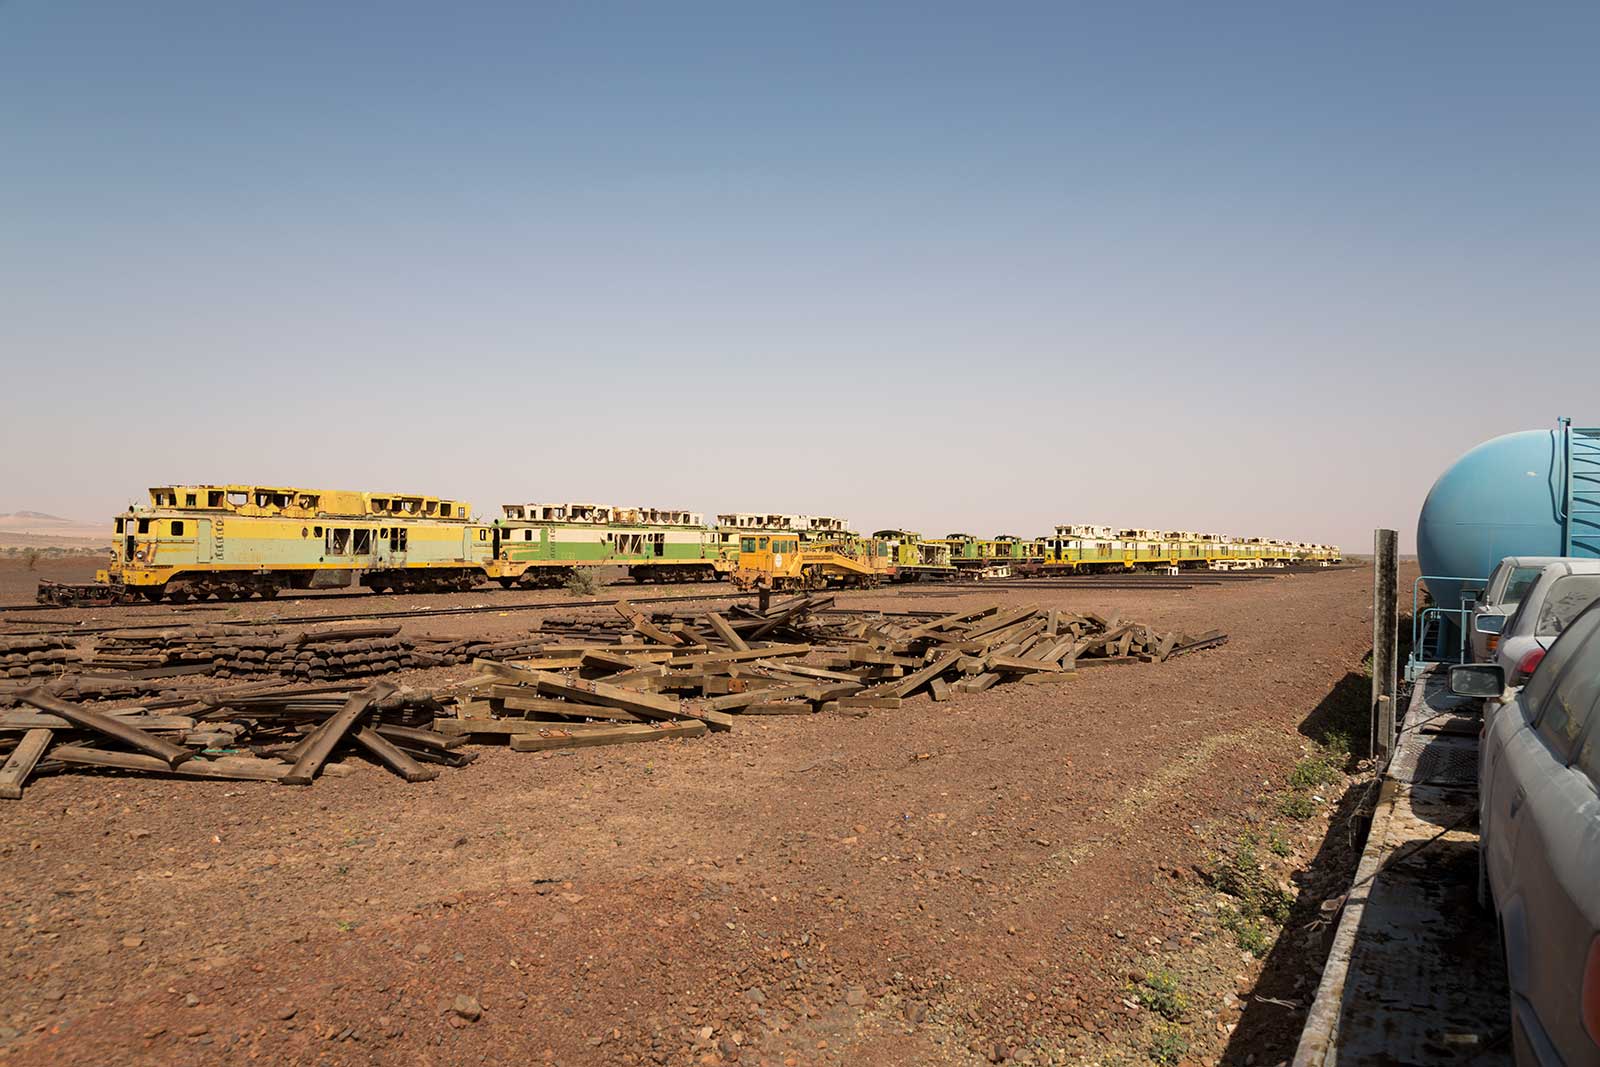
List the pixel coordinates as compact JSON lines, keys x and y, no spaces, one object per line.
{"x":1107,"y":583}
{"x":403,"y":613}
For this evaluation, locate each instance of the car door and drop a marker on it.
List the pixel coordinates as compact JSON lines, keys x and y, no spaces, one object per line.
{"x":1547,"y":941}
{"x":1512,"y":752}
{"x":1484,"y":605}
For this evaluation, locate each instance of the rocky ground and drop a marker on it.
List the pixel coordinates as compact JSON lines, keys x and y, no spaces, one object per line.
{"x":1124,"y":868}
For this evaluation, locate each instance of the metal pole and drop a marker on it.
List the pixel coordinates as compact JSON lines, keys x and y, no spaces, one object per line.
{"x":1385,"y":641}
{"x":1566,"y":478}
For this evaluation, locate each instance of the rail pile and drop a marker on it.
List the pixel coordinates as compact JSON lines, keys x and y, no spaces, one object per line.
{"x":224,"y":651}
{"x":27,"y":656}
{"x":286,"y":735}
{"x":653,"y":681}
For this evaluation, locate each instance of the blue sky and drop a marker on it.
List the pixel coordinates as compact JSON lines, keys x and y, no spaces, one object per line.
{"x":1261,"y":268}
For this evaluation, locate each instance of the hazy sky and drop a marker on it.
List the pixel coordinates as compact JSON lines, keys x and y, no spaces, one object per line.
{"x":1263,"y":268}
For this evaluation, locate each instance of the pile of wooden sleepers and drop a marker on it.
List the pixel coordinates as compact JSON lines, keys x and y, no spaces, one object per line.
{"x":282,"y":735}
{"x":650,"y":681}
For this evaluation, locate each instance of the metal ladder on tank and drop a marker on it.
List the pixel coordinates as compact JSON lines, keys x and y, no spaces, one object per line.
{"x":1580,"y":502}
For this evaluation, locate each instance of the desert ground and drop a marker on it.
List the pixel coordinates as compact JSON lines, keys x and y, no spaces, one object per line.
{"x":1030,"y":874}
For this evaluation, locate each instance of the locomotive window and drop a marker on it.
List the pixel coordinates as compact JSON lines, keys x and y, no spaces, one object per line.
{"x":119,"y":526}
{"x":747,"y":544}
{"x":338,"y":541}
{"x":363,"y":543}
{"x":304,"y":532}
{"x":444,"y":510}
{"x":317,"y":530}
{"x":483,"y":535}
{"x":238,"y":499}
{"x":527,"y":535}
{"x":177,"y":529}
{"x":144,"y":526}
{"x":214,"y":499}
{"x":188,"y":500}
{"x":403,"y":539}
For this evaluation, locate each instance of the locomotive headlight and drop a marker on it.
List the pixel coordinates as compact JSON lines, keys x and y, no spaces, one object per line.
{"x":138,"y":554}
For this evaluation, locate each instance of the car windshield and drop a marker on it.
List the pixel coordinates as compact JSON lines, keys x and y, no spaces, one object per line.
{"x":1519,"y":583}
{"x":1568,"y":597}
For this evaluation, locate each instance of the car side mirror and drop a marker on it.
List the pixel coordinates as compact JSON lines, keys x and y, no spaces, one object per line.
{"x":1477,"y":680}
{"x":1489,"y":624}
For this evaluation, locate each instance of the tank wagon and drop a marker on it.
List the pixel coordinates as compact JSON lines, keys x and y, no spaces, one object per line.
{"x":236,"y":541}
{"x":1531,"y":493}
{"x":543,"y":545}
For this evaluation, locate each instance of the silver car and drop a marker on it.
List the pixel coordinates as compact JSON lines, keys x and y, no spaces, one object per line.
{"x":1539,"y":808}
{"x":1511,"y":577}
{"x":1558,"y":596}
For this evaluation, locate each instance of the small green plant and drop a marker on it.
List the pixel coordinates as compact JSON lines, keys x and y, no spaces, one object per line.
{"x":1313,"y":772}
{"x":1158,"y":991}
{"x":1279,"y":845}
{"x":1247,"y":931}
{"x":1275,"y":904}
{"x":1239,"y":875}
{"x":31,"y":557}
{"x":1298,"y":806}
{"x":582,"y":582}
{"x":1168,"y":1046}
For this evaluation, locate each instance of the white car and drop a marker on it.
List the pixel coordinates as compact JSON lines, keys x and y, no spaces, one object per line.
{"x":1510,"y":579}
{"x":1559,"y":595}
{"x":1539,"y":825}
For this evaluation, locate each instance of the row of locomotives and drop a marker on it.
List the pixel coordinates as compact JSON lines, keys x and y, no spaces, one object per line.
{"x":1088,"y":549}
{"x":232,"y":542}
{"x":912,"y":559}
{"x":544,"y":545}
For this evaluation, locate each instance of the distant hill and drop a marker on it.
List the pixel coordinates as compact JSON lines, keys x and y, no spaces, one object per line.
{"x":39,"y":526}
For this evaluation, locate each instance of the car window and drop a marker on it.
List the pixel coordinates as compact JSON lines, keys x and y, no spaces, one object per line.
{"x":1566,"y":711}
{"x":1491,"y":588}
{"x":1589,"y":758}
{"x":1554,"y":665}
{"x":1565,"y":601}
{"x":1521,"y":581}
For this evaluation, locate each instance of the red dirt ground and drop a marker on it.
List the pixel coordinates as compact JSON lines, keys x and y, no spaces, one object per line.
{"x":954,"y":883}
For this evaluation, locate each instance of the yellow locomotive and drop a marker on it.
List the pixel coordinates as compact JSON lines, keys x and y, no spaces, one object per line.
{"x":236,"y":541}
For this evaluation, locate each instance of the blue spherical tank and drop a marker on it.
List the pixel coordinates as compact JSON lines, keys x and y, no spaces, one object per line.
{"x":1500,"y":499}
